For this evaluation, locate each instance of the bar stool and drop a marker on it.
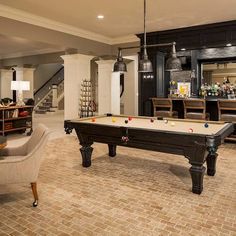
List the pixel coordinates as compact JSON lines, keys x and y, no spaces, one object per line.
{"x":163,"y":107}
{"x":227,"y":110}
{"x":195,"y":109}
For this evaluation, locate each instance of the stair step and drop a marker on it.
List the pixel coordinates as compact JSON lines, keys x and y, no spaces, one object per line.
{"x":40,"y":112}
{"x":47,"y":103}
{"x":44,"y":107}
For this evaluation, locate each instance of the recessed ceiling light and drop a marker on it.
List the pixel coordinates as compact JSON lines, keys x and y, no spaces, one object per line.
{"x":228,"y":44}
{"x":183,"y":49}
{"x":100,"y":17}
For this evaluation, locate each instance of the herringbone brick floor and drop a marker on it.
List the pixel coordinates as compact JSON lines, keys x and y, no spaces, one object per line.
{"x":136,"y":193}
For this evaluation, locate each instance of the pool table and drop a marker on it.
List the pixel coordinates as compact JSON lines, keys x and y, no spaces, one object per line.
{"x":195,"y":140}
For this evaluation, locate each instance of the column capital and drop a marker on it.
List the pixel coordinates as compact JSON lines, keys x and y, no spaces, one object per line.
{"x":23,"y":69}
{"x":71,"y":57}
{"x":106,"y":62}
{"x":6,"y":70}
{"x":29,"y":69}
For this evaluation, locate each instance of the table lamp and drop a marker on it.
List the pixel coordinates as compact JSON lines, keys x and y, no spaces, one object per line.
{"x":20,"y":86}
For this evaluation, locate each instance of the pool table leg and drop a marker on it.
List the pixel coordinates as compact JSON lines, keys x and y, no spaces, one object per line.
{"x":112,"y":150}
{"x":211,"y":161}
{"x":197,"y":174}
{"x":86,"y":152}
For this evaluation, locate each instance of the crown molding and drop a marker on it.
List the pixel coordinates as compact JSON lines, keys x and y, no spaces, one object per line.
{"x":23,"y":16}
{"x":30,"y":53}
{"x":125,"y":39}
{"x":29,"y":18}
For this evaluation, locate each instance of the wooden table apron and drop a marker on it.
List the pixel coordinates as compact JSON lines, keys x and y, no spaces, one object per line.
{"x":197,"y":148}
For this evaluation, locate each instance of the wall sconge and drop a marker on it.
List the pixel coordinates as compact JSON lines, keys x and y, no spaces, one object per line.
{"x":20,"y":86}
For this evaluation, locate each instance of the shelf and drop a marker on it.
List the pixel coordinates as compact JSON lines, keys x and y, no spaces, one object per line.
{"x":15,"y":107}
{"x":16,"y":118}
{"x":9,"y":124}
{"x":14,"y":129}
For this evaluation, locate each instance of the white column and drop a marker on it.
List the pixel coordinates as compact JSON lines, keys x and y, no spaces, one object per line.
{"x":130,"y":96}
{"x":115,"y":93}
{"x":29,"y":76}
{"x":19,"y":77}
{"x":6,"y":77}
{"x":108,"y":88}
{"x":54,"y":96}
{"x":76,"y":69}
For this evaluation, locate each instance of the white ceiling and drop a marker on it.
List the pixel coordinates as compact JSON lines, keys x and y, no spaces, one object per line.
{"x":18,"y":47}
{"x":125,"y":17}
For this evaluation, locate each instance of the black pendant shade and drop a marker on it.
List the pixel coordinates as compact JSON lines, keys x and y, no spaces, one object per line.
{"x":120,"y":65}
{"x":145,"y":64}
{"x":173,"y":63}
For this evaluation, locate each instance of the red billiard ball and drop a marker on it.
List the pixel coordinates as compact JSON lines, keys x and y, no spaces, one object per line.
{"x":129,"y":118}
{"x":93,"y":119}
{"x":152,"y":120}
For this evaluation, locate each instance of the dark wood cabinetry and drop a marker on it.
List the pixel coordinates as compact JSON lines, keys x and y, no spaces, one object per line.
{"x":16,"y":119}
{"x":202,"y":43}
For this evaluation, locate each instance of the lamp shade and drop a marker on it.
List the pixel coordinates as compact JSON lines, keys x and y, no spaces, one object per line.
{"x":173,"y":63}
{"x":145,"y":66}
{"x":20,"y":85}
{"x":119,"y":65}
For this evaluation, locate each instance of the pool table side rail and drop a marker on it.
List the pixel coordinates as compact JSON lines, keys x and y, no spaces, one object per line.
{"x":139,"y":138}
{"x":146,"y":117}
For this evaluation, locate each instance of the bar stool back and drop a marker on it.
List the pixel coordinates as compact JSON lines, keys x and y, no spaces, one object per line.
{"x":195,"y":109}
{"x":162,"y":107}
{"x":227,"y":110}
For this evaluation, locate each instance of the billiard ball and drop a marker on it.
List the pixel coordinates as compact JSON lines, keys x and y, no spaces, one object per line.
{"x":126,"y":121}
{"x":113,"y":120}
{"x":152,"y":120}
{"x":190,"y":130}
{"x":165,"y":121}
{"x":206,"y":125}
{"x":172,"y":123}
{"x":129,"y":118}
{"x":93,"y":119}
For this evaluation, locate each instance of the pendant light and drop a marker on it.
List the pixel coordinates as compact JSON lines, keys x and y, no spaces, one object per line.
{"x":145,"y":64}
{"x":173,"y":63}
{"x":119,"y":65}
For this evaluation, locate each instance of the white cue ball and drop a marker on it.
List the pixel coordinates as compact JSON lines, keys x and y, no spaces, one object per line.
{"x":172,"y":123}
{"x":165,"y":121}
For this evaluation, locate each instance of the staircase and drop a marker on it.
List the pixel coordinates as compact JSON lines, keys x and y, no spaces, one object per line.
{"x":50,"y":93}
{"x":45,"y":105}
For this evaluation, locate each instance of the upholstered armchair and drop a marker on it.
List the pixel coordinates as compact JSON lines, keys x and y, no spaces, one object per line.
{"x":21,"y":164}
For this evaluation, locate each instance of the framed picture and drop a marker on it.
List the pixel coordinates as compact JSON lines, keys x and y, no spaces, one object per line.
{"x":184,"y":89}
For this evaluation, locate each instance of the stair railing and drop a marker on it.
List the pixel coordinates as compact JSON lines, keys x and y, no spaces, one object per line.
{"x":42,"y":92}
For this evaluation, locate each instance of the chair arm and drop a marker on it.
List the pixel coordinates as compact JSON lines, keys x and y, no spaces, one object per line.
{"x":14,"y":151}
